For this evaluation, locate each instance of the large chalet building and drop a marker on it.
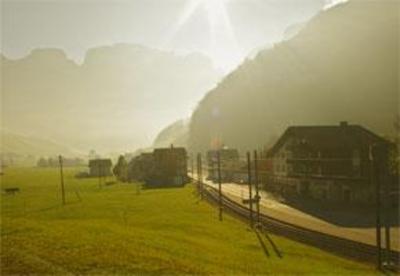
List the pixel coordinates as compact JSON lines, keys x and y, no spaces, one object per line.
{"x":330,"y":163}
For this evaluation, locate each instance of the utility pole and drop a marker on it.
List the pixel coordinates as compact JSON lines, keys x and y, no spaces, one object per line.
{"x":385,"y":173}
{"x":104,"y":175}
{"x":256,"y":185}
{"x":192,"y":165}
{"x":250,"y":190}
{"x":99,"y":171}
{"x":219,"y":184}
{"x":387,"y":218}
{"x":60,"y":160}
{"x":376,"y":169}
{"x":200,"y":172}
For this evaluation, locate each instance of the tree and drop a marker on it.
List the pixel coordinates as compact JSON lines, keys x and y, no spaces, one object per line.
{"x":121,"y":169}
{"x":42,"y":162}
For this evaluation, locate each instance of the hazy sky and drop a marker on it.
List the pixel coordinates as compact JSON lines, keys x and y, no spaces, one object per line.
{"x":225,"y":30}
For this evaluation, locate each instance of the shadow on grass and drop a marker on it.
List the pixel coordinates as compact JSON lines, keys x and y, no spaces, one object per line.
{"x":276,"y":249}
{"x":260,"y":240}
{"x":345,"y":215}
{"x":161,"y":186}
{"x":259,"y":229}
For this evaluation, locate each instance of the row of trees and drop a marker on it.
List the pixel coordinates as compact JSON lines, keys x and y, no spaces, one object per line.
{"x":53,"y":162}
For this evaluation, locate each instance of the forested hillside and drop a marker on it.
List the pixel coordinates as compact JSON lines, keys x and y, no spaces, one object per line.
{"x":342,"y":66}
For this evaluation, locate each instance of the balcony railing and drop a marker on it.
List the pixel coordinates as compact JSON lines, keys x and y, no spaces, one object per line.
{"x":318,"y":159}
{"x":324,"y":176}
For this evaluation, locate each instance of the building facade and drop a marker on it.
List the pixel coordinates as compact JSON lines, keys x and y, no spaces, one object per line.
{"x":325,"y":162}
{"x":170,"y":166}
{"x":229,"y":164}
{"x":100,"y":167}
{"x":162,"y":167}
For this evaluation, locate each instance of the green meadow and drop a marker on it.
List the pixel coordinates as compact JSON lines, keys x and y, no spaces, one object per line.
{"x":121,"y":229}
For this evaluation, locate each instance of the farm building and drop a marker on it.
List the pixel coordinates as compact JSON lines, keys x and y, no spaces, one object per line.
{"x":100,"y":167}
{"x":326,"y":162}
{"x":162,"y":167}
{"x":170,"y":167}
{"x":140,"y":167}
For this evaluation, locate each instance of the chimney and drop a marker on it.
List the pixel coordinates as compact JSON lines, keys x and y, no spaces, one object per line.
{"x":344,"y":123}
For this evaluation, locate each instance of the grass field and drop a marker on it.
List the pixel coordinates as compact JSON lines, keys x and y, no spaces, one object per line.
{"x":118,"y":230}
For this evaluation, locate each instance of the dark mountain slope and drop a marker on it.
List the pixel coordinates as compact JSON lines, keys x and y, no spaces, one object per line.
{"x":342,"y":66}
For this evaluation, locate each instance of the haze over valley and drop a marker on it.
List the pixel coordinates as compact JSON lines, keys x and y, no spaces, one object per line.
{"x":117,"y":100}
{"x":200,"y":137}
{"x":129,"y":96}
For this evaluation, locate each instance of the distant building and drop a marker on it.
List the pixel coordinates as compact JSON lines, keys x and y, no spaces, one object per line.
{"x":100,"y":167}
{"x":325,"y":162}
{"x":141,"y":167}
{"x":170,"y":166}
{"x":240,"y":173}
{"x":265,"y":168}
{"x":229,"y":163}
{"x":162,"y":167}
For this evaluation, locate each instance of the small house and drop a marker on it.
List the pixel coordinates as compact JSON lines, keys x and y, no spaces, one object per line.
{"x":100,"y":167}
{"x":169,"y":167}
{"x":162,"y":167}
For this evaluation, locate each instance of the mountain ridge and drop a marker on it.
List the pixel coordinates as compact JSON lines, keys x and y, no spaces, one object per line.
{"x":116,"y":100}
{"x":340,"y":67}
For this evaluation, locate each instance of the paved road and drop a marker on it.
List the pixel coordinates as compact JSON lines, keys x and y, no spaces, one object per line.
{"x":276,"y":209}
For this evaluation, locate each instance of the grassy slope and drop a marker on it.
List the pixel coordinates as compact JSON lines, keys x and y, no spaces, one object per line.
{"x":116,"y":230}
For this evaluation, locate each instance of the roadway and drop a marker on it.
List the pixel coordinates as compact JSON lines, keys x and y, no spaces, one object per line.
{"x":271,"y":206}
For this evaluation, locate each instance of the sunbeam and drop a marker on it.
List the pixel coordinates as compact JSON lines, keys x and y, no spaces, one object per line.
{"x":223,"y":46}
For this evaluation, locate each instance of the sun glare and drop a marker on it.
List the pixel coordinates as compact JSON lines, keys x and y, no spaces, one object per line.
{"x":223,"y":45}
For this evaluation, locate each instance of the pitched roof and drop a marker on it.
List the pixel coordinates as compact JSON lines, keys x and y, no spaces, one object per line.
{"x":225,"y":153}
{"x":179,"y":150}
{"x":330,"y":137}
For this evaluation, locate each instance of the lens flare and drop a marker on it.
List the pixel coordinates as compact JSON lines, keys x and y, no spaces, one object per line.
{"x":223,"y":46}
